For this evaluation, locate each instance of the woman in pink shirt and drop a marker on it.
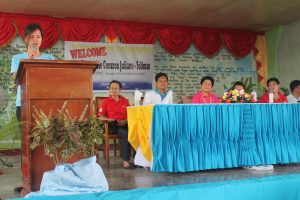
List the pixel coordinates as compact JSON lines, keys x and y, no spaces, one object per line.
{"x":205,"y":95}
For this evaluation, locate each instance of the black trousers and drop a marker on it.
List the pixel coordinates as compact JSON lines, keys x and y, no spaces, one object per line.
{"x":123,"y":132}
{"x":18,"y":113}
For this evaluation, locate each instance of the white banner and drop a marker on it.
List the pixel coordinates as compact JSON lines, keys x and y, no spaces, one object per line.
{"x":131,"y":64}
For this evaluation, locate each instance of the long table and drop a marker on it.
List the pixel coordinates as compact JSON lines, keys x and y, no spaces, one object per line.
{"x":209,"y":136}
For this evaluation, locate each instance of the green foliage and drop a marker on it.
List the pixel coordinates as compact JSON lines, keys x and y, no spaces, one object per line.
{"x":63,"y":136}
{"x":11,"y":130}
{"x":6,"y":80}
{"x":92,"y":130}
{"x":9,"y":126}
{"x":5,"y":76}
{"x":286,"y":91}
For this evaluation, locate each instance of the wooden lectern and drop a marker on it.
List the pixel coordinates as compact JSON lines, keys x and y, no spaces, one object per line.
{"x":47,"y":85}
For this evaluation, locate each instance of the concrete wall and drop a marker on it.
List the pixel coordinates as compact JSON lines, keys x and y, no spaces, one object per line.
{"x":284,"y":52}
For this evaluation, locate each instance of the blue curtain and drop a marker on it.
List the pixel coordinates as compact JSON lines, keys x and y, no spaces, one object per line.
{"x":275,"y":187}
{"x":277,"y":132}
{"x":199,"y":137}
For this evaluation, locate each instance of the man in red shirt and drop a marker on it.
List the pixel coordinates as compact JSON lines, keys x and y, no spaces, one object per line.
{"x":113,"y":109}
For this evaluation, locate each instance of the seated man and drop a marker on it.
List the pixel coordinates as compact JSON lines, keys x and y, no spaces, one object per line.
{"x":294,"y":97}
{"x":238,"y":86}
{"x":161,"y":94}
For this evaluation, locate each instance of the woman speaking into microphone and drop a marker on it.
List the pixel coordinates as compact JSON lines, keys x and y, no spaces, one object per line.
{"x":33,"y":40}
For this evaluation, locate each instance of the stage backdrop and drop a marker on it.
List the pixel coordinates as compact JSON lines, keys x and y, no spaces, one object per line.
{"x":185,"y":71}
{"x":131,"y":64}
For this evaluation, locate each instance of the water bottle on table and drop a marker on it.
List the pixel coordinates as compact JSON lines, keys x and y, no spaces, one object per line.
{"x":271,"y":96}
{"x":254,"y":95}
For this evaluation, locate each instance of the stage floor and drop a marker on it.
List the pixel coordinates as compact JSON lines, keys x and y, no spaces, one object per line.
{"x":124,"y":179}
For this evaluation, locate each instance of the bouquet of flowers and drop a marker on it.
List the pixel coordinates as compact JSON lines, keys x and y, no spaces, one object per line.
{"x":235,"y":96}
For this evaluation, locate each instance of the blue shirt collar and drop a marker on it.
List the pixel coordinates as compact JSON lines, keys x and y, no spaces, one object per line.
{"x":161,"y":95}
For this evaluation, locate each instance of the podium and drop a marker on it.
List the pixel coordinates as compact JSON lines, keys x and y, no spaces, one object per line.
{"x":46,"y":85}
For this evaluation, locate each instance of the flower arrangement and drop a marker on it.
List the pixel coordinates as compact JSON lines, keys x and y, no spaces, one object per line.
{"x":235,"y":96}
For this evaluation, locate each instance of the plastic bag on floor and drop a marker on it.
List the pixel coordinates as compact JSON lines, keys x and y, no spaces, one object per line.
{"x":84,"y":176}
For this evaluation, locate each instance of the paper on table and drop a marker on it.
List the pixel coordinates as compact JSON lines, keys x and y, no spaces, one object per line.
{"x":137,"y":97}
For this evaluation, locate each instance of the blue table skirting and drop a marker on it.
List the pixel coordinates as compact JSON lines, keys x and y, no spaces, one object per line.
{"x":275,"y":188}
{"x":198,"y":137}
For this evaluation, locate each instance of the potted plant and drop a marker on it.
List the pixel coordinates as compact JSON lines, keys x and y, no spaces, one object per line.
{"x":62,"y":136}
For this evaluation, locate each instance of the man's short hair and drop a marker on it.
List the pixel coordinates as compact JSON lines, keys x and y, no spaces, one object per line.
{"x":294,"y":84}
{"x":160,"y":74}
{"x":238,"y":83}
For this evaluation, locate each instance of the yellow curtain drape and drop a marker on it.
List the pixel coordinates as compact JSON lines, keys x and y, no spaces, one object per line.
{"x":107,"y":40}
{"x":139,"y":127}
{"x":261,"y":58}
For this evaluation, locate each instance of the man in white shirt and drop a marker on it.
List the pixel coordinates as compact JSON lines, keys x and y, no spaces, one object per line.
{"x":161,"y":94}
{"x":294,"y":97}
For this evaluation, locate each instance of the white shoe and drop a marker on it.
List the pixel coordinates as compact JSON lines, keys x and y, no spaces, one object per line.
{"x":260,"y":167}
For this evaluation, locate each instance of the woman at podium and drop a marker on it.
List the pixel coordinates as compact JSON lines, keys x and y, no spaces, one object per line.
{"x":33,"y":40}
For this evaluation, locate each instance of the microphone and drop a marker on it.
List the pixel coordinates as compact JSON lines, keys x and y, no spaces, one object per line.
{"x":34,"y":47}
